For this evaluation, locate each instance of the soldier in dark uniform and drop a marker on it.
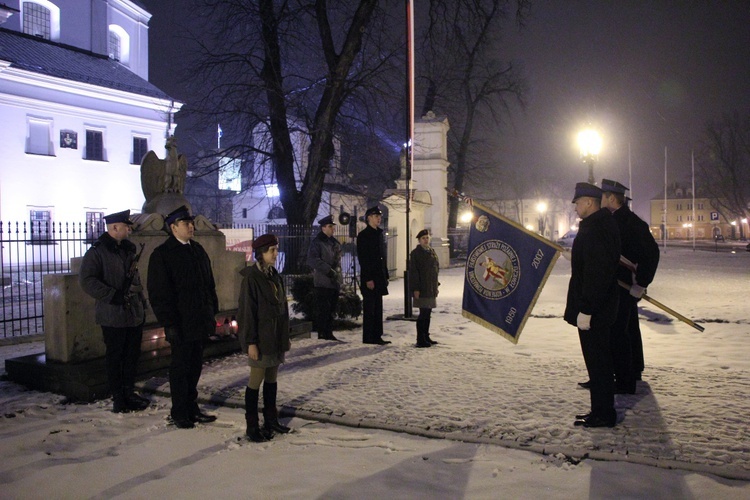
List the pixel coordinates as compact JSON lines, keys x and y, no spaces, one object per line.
{"x":182,"y":292}
{"x":371,"y":253}
{"x":593,"y":297}
{"x":324,"y":257}
{"x":640,"y":248}
{"x":109,"y":274}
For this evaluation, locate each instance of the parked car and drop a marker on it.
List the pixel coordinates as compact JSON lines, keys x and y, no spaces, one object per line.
{"x":719,"y":237}
{"x":567,"y":239}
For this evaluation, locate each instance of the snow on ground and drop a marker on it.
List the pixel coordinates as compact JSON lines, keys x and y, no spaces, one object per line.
{"x":476,"y":416}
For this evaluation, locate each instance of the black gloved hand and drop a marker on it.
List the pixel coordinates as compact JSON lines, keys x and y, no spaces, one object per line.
{"x":118,"y":299}
{"x":172,"y":334}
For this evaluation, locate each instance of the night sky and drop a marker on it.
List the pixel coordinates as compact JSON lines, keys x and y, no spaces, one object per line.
{"x":646,"y":74}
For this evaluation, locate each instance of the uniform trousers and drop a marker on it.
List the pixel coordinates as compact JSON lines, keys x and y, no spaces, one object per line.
{"x":123,"y":347}
{"x":326,"y":300}
{"x":372,"y":316}
{"x":622,"y":341}
{"x":184,"y":372}
{"x":597,"y":354}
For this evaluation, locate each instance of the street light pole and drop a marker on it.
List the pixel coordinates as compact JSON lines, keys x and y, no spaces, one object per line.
{"x":590,"y":144}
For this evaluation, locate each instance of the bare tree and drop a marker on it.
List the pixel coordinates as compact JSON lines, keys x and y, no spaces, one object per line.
{"x":291,"y":68}
{"x":724,"y":165}
{"x":464,"y":78}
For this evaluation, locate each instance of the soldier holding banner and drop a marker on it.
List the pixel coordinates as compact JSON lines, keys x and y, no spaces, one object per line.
{"x":593,"y":299}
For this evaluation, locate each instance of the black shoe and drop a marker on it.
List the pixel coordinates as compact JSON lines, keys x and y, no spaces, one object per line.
{"x":255,"y":435}
{"x":433,"y":342}
{"x":593,"y":421}
{"x":583,"y":416}
{"x":135,"y":402}
{"x":377,"y":342}
{"x":585,"y":385}
{"x":203,"y":418}
{"x":120,"y":406}
{"x":333,"y":337}
{"x":424,"y":344}
{"x":181,"y":423}
{"x":276,"y":426}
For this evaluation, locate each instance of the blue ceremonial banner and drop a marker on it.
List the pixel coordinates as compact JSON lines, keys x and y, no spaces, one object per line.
{"x":506,"y":268}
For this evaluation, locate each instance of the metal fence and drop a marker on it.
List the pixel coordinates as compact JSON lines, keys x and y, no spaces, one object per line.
{"x":29,"y":251}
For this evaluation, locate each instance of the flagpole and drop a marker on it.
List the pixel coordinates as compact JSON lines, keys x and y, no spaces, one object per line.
{"x":630,"y":176}
{"x":664,"y":236}
{"x":692,"y":162}
{"x":409,"y":144}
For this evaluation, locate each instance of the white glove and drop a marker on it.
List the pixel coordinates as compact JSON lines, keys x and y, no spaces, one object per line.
{"x":583,"y":321}
{"x":637,"y":291}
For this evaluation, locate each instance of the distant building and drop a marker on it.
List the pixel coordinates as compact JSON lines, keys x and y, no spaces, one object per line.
{"x":259,"y":203}
{"x":677,"y":218}
{"x":78,"y":112}
{"x":549,"y":217}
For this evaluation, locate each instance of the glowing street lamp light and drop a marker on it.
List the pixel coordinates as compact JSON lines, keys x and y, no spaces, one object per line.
{"x":541,"y":209}
{"x":590,"y":144}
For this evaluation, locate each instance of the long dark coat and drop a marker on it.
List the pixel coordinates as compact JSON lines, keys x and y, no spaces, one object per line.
{"x":638,"y":246}
{"x":104,"y":268}
{"x":371,"y":253}
{"x":594,"y":261}
{"x":263,"y":317}
{"x":324,"y":257}
{"x":182,"y":290}
{"x":423,"y":276}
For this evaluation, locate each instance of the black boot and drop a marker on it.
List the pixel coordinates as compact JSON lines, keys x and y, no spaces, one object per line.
{"x":270,"y":413}
{"x":134,"y":401}
{"x":253,"y":431}
{"x":421,"y":340}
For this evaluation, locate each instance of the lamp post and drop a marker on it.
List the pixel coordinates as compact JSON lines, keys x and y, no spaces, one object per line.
{"x":590,"y":143}
{"x":541,"y":209}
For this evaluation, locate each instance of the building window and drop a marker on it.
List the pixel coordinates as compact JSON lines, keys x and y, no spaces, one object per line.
{"x":41,"y":226}
{"x":94,"y":225}
{"x":119,"y":44}
{"x":277,"y":213}
{"x":94,"y":145}
{"x":244,"y":213}
{"x":679,"y":206}
{"x":140,"y":148}
{"x":37,"y":20}
{"x":114,"y":46}
{"x":38,"y":142}
{"x":700,"y":206}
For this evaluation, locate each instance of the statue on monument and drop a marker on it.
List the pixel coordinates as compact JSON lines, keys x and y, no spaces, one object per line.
{"x":163,"y":181}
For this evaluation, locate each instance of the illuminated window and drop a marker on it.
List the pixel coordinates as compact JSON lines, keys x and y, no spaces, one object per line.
{"x":114,"y":46}
{"x":36,"y":20}
{"x":272,"y":190}
{"x":94,"y":225}
{"x":41,"y":226}
{"x":94,"y":145}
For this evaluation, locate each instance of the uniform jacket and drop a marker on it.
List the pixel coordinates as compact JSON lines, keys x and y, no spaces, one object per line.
{"x":638,"y":246}
{"x":324,"y":257}
{"x":371,"y":253}
{"x":423,"y":276}
{"x":594,"y":261}
{"x":104,"y":269}
{"x":263,"y":316}
{"x":182,"y":290}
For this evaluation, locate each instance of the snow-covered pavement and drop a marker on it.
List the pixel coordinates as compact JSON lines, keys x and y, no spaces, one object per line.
{"x":689,"y":413}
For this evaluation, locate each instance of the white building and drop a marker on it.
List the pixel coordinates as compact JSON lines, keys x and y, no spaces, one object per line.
{"x":78,"y":112}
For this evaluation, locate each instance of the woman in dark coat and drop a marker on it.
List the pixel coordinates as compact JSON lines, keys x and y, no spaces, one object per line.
{"x":423,"y":282}
{"x":263,"y":322}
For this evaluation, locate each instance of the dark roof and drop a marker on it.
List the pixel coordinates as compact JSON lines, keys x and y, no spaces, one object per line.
{"x":34,"y":54}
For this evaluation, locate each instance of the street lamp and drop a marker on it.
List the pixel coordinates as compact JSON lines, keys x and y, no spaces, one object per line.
{"x":541,"y":208}
{"x":590,"y":143}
